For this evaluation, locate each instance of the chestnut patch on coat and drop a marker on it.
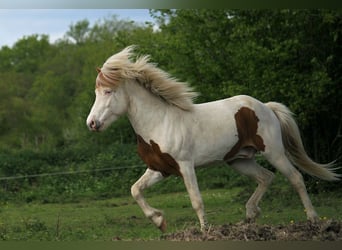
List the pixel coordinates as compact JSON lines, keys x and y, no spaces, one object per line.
{"x":157,"y":160}
{"x":247,"y":126}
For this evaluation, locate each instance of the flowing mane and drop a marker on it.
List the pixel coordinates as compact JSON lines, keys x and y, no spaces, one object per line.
{"x":119,"y":67}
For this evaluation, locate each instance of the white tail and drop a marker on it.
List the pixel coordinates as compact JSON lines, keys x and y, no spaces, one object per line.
{"x":294,"y":146}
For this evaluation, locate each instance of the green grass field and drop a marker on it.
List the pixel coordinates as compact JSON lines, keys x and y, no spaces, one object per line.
{"x":121,"y":218}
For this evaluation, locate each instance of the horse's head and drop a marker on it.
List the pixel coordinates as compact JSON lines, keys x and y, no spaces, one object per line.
{"x":112,"y":95}
{"x":111,"y":101}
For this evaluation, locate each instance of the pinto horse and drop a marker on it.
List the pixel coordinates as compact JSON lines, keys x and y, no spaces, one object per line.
{"x":174,"y":135}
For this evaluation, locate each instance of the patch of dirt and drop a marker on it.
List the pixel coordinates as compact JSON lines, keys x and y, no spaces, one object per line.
{"x":325,"y":230}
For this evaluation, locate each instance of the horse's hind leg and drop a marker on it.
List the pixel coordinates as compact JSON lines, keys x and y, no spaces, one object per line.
{"x":283,"y":164}
{"x":149,"y":178}
{"x":261,"y":175}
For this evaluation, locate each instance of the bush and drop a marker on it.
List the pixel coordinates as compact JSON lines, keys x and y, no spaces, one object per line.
{"x":77,"y":173}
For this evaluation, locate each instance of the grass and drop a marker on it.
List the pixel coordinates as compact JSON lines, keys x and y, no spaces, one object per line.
{"x":121,"y":218}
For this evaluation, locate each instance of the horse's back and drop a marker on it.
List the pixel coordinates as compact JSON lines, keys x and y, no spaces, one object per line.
{"x":225,"y":109}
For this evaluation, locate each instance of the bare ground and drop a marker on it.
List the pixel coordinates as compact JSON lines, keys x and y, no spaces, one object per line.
{"x":325,"y":230}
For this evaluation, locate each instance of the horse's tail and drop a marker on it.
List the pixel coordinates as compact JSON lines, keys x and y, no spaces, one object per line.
{"x":294,"y":146}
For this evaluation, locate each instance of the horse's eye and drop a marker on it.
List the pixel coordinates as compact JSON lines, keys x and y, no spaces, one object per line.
{"x":108,"y":92}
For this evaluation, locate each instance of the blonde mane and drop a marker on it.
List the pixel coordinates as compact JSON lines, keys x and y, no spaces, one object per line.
{"x":119,"y":67}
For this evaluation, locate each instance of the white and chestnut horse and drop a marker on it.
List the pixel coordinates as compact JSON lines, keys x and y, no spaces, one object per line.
{"x":175,"y":135}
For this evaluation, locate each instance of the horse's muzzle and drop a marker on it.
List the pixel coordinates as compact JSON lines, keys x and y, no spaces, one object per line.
{"x":94,"y":125}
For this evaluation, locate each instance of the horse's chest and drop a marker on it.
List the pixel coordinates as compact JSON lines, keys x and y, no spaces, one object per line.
{"x":155,"y":159}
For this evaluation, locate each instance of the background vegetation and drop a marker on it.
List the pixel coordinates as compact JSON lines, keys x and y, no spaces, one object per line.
{"x":47,"y":89}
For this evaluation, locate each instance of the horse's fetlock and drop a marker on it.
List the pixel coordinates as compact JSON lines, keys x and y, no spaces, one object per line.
{"x":205,"y":227}
{"x":157,"y":217}
{"x":312,"y":216}
{"x":252,"y":212}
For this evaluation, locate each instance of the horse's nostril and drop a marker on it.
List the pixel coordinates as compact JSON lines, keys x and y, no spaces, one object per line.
{"x":94,"y":125}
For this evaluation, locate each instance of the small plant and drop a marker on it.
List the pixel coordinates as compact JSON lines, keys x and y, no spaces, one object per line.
{"x":34,"y":225}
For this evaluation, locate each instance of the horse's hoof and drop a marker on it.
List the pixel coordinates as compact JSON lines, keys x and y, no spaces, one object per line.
{"x":314,"y":219}
{"x":162,"y":226}
{"x":249,"y":220}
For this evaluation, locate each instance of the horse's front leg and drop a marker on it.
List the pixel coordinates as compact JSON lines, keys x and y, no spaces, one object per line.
{"x":190,"y":180}
{"x":149,"y":178}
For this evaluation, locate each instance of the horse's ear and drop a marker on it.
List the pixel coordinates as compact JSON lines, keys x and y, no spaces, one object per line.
{"x":98,"y":70}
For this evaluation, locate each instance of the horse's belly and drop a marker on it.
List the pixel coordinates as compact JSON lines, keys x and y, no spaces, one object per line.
{"x":214,"y":149}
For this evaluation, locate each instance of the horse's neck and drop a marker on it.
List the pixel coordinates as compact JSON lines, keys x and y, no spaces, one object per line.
{"x":146,"y":111}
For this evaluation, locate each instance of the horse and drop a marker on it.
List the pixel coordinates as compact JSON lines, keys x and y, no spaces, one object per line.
{"x":175,"y":135}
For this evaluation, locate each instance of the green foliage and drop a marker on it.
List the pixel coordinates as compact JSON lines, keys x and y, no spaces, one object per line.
{"x":289,"y":56}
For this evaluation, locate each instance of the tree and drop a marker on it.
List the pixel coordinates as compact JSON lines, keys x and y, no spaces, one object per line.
{"x":79,"y":31}
{"x":290,"y":56}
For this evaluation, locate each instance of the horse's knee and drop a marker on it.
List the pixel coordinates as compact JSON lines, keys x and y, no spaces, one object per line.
{"x":197,"y":205}
{"x":135,"y":191}
{"x":297,"y":180}
{"x":268,"y":177}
